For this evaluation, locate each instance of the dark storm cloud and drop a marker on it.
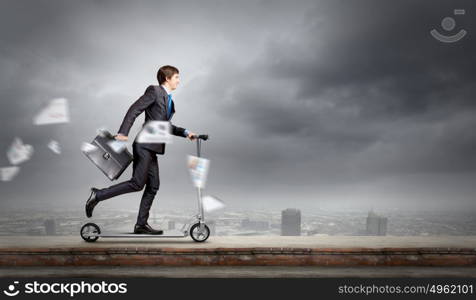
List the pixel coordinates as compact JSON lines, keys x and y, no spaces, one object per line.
{"x":380,"y":83}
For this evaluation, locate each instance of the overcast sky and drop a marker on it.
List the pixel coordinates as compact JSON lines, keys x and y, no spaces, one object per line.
{"x":309,"y":104}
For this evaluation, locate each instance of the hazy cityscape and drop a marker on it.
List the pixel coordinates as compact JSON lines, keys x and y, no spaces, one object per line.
{"x":289,"y":221}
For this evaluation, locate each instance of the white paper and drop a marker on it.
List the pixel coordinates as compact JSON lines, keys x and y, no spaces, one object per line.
{"x":88,"y":148}
{"x":102,"y":131}
{"x":211,"y":203}
{"x":198,"y":167}
{"x":117,"y":146}
{"x":155,"y":132}
{"x":54,"y":146}
{"x":7,"y":173}
{"x":56,"y":112}
{"x":19,"y":152}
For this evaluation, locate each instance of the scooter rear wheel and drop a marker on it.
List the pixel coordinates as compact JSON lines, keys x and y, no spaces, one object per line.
{"x":90,"y":232}
{"x":199,"y":235}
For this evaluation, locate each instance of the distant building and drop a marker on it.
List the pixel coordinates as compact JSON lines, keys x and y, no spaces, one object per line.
{"x":376,"y":225}
{"x":291,"y":222}
{"x":254,"y":225}
{"x":171,"y":225}
{"x":50,"y":227}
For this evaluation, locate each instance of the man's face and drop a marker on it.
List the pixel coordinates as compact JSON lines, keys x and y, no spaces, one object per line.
{"x":173,"y":81}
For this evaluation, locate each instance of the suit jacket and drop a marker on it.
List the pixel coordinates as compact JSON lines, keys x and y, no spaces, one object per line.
{"x":155,"y":104}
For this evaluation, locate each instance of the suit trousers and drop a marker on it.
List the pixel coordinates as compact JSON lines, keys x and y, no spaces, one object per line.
{"x":145,"y":173}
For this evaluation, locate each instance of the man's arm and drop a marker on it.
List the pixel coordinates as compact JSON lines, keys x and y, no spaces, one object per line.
{"x":179,"y":131}
{"x":136,"y":109}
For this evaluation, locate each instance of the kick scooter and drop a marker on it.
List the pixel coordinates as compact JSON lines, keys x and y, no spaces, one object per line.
{"x":195,"y":227}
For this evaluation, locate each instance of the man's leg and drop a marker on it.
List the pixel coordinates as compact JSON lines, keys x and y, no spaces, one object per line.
{"x":151,"y":188}
{"x":142,"y":159}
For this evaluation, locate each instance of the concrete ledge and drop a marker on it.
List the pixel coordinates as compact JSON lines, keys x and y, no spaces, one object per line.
{"x":224,"y":251}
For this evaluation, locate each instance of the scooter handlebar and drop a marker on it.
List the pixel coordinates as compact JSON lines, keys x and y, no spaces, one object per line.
{"x":203,"y":137}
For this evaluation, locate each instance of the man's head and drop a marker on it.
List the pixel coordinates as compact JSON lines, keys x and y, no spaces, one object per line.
{"x":168,"y":76}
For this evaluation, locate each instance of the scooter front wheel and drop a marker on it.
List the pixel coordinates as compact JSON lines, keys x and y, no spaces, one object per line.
{"x":199,"y":235}
{"x":90,"y":232}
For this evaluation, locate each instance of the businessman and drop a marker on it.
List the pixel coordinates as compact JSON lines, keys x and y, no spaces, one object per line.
{"x":158,"y":106}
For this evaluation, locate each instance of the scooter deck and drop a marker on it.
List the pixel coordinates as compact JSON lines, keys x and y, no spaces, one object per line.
{"x":142,"y":235}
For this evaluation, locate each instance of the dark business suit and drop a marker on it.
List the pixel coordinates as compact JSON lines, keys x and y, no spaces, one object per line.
{"x":145,"y":166}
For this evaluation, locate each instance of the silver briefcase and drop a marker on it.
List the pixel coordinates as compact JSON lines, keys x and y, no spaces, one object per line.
{"x":111,"y":163}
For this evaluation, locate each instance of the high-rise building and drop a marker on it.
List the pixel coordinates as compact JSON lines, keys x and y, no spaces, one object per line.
{"x":376,"y":225}
{"x":50,"y":227}
{"x":291,"y":222}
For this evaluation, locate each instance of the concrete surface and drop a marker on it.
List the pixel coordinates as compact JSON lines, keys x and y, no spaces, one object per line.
{"x":247,"y":242}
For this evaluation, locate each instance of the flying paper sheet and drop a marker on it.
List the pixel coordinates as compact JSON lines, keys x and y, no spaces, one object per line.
{"x":117,"y":146}
{"x":88,"y":148}
{"x":54,"y":146}
{"x":55,"y":112}
{"x":102,"y":131}
{"x":211,"y":203}
{"x":19,"y":152}
{"x":7,"y":173}
{"x":198,"y":167}
{"x":155,"y":132}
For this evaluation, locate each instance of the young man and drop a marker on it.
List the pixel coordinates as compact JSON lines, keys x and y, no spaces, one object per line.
{"x":158,"y":106}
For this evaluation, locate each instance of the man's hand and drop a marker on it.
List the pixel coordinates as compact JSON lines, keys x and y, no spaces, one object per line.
{"x":191,"y":136}
{"x":120,"y":137}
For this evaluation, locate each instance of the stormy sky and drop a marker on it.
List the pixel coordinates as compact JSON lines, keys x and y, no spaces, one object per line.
{"x":308,"y":104}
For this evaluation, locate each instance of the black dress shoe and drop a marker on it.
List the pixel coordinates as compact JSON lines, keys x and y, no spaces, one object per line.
{"x":91,"y":203}
{"x":146,"y":229}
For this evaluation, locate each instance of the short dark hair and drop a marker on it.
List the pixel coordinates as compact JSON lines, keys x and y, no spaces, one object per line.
{"x":166,"y":72}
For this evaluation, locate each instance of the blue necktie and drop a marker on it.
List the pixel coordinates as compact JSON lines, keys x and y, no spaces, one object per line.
{"x":169,"y":110}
